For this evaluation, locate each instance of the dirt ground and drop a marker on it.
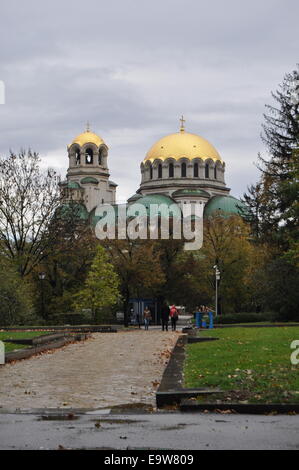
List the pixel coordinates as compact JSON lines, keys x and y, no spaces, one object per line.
{"x":106,"y":370}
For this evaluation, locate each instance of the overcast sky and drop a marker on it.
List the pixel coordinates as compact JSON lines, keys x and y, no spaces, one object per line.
{"x":132,"y":67}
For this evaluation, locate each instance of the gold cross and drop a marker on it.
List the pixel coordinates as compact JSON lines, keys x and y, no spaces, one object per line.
{"x":87,"y":127}
{"x":182,"y":123}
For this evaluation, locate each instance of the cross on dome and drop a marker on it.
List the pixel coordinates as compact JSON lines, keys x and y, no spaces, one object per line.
{"x":182,"y":120}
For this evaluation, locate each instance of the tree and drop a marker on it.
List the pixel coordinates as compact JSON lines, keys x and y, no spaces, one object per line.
{"x":257,"y":201}
{"x":137,"y":263}
{"x":101,"y":287}
{"x":15,"y":300}
{"x":226,"y":244}
{"x":281,"y":292}
{"x":273,"y":199}
{"x":67,"y":260}
{"x":28,"y":200}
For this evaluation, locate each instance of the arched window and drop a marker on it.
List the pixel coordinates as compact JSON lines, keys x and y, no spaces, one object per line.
{"x":215,"y":172}
{"x":100,"y":157}
{"x":195,"y":170}
{"x":89,"y":157}
{"x":207,"y":173}
{"x":160,"y":170}
{"x":171,"y":170}
{"x":184,"y":170}
{"x":77,"y":157}
{"x":151,"y":172}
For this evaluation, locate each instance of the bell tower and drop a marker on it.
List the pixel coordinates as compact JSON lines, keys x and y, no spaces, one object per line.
{"x":88,"y":171}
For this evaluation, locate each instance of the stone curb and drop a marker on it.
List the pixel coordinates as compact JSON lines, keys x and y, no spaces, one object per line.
{"x":242,"y":408}
{"x":37,"y":340}
{"x":229,"y":325}
{"x":193,"y":339}
{"x":66,"y":328}
{"x":170,"y":391}
{"x":29,"y":352}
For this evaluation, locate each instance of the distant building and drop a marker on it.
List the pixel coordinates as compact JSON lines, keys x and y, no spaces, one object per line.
{"x":179,"y":168}
{"x":87,"y":179}
{"x":185,"y":168}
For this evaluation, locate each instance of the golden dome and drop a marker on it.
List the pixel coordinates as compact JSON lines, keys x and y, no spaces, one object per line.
{"x":182,"y":144}
{"x":88,"y":137}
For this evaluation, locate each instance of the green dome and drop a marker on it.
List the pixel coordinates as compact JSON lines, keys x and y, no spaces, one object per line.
{"x":73,"y":185}
{"x":146,"y":201}
{"x":159,"y":199}
{"x":89,"y":179}
{"x":134,"y":197}
{"x":73,"y":210}
{"x":227,"y":205}
{"x":110,"y":217}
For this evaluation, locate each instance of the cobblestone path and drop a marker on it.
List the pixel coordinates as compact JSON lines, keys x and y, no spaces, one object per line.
{"x":106,"y":370}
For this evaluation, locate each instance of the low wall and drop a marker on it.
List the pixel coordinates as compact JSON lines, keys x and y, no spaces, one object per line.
{"x":50,"y":342}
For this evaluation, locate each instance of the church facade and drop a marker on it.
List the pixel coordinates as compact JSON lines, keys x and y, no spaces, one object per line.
{"x":179,"y":168}
{"x":87,"y":180}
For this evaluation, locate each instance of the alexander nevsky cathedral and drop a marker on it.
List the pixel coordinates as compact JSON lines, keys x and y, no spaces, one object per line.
{"x":179,"y":168}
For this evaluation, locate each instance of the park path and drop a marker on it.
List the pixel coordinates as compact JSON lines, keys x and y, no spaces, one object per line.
{"x":106,"y":370}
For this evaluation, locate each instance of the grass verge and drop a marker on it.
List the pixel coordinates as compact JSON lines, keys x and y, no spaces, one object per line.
{"x":19,"y":335}
{"x":251,"y":365}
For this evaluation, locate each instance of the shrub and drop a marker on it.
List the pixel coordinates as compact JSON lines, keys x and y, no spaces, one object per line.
{"x":69,"y":318}
{"x":246,"y":317}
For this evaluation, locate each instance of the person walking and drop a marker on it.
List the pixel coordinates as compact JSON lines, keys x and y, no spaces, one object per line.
{"x":164,"y":316}
{"x":174,"y":317}
{"x":211,"y":317}
{"x":147,"y":317}
{"x":198,"y":317}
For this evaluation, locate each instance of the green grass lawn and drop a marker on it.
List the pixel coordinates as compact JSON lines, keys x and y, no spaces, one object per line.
{"x":19,"y":335}
{"x":250,"y":364}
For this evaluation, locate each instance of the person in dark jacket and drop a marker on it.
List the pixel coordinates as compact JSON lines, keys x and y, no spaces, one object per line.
{"x":165,"y":316}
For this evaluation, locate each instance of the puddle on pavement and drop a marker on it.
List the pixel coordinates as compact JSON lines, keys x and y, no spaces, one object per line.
{"x":58,"y":417}
{"x":118,"y":421}
{"x":173,"y":428}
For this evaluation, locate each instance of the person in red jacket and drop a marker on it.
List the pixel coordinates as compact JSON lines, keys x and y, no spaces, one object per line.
{"x":174,"y":315}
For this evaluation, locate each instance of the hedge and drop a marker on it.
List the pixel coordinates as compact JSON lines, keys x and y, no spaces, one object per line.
{"x":246,"y":317}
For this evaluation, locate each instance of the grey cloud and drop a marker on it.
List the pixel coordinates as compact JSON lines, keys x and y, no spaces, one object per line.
{"x":132,"y":68}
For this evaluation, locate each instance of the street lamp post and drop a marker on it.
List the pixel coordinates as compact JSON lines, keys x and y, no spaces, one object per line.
{"x":217,"y":278}
{"x":127,"y":303}
{"x":42,"y":277}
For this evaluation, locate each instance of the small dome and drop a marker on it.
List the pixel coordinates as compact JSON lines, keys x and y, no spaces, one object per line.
{"x":73,"y":185}
{"x":73,"y":210}
{"x":88,"y":137}
{"x":161,"y":204}
{"x":89,"y":179}
{"x":135,"y":197}
{"x":227,"y":205}
{"x":110,"y":216}
{"x":182,"y":144}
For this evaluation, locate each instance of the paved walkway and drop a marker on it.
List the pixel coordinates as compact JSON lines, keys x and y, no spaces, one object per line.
{"x":105,"y":370}
{"x":178,"y":431}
